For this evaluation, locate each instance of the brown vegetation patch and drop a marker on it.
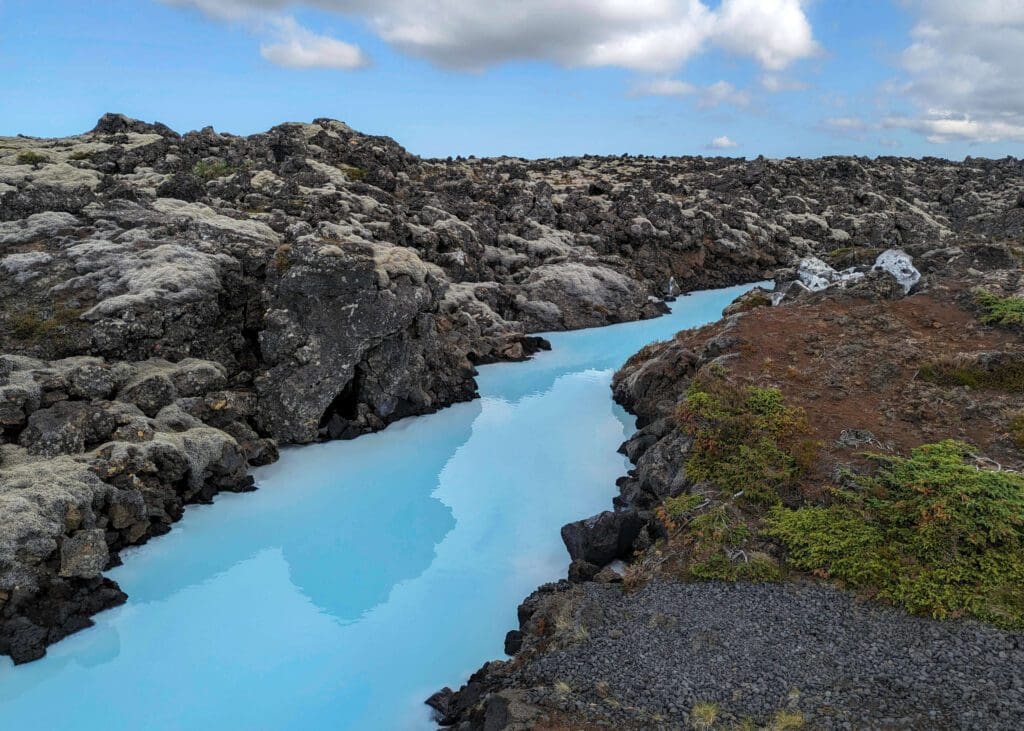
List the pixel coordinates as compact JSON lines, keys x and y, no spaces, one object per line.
{"x":855,"y":367}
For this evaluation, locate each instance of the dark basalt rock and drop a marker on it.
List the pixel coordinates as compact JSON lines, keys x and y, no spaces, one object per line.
{"x":580,"y":570}
{"x":513,"y":641}
{"x":604,"y":537}
{"x":174,"y":306}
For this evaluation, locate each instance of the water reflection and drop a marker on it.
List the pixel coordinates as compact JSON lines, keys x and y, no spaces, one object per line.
{"x":362,"y":575}
{"x":373,"y":543}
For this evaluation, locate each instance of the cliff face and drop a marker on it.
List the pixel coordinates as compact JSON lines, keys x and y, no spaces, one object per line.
{"x":333,"y":283}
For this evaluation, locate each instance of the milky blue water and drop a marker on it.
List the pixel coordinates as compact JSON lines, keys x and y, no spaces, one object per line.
{"x":363,"y":575}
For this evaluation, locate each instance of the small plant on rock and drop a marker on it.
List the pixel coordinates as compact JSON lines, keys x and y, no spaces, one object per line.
{"x":282,"y":258}
{"x":785,"y":720}
{"x":212,"y":169}
{"x":1017,"y":429}
{"x":703,"y":715}
{"x":353,"y":173}
{"x":996,"y":310}
{"x":30,"y":157}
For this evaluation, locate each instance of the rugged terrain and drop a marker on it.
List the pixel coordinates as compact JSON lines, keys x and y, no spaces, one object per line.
{"x":173,"y":307}
{"x":796,"y":501}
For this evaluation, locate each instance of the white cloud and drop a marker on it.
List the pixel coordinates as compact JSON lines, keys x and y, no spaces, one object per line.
{"x":847,"y":124}
{"x":722,"y":92}
{"x":949,"y":129}
{"x":713,"y":95}
{"x":644,"y":35}
{"x":962,"y":71}
{"x":775,"y":32}
{"x":298,"y":47}
{"x":722,"y":143}
{"x":664,"y":87}
{"x":774,"y":83}
{"x":854,"y":128}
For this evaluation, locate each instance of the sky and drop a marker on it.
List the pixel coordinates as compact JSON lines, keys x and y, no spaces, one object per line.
{"x":535,"y":78}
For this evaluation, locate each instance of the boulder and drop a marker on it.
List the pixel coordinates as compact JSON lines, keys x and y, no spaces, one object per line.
{"x":604,"y":537}
{"x":84,"y":554}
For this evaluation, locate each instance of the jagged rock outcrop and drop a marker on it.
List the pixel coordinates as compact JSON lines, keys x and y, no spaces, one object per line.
{"x":175,"y":305}
{"x":96,"y":456}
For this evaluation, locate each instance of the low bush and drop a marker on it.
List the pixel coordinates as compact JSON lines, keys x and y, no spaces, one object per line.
{"x":932,"y":533}
{"x":746,"y":441}
{"x":996,"y":310}
{"x":1017,"y":430}
{"x":212,"y":169}
{"x":353,"y":172}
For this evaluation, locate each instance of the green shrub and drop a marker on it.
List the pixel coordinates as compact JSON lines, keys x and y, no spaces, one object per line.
{"x":745,"y":440}
{"x":750,"y":449}
{"x":996,"y":310}
{"x":678,"y":507}
{"x":30,"y":157}
{"x":212,"y":169}
{"x":353,"y":172}
{"x":932,"y":533}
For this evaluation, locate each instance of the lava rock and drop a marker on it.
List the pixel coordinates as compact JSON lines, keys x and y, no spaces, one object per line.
{"x":602,"y":538}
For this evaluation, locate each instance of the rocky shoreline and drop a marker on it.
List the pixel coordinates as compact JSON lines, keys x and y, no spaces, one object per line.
{"x":173,"y":307}
{"x":658,"y":645}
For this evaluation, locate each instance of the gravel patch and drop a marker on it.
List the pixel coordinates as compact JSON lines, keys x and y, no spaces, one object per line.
{"x":756,"y":649}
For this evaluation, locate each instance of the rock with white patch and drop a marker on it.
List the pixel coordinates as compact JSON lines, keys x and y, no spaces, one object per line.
{"x":900,"y":266}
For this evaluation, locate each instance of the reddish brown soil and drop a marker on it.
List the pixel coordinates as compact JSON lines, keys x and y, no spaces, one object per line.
{"x":854,"y":364}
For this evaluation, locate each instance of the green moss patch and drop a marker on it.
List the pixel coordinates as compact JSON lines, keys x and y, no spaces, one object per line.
{"x":1007,"y":375}
{"x":353,"y":173}
{"x":212,"y":169}
{"x":932,"y":533}
{"x":30,"y":157}
{"x":996,"y":310}
{"x":746,"y":441}
{"x":31,"y":328}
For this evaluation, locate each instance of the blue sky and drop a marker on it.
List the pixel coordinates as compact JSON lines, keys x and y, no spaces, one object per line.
{"x":533,"y":78}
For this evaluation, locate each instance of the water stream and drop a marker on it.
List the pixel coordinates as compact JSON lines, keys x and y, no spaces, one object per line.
{"x":362,"y":575}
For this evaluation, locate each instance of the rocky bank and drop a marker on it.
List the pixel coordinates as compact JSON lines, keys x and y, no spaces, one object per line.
{"x":714,"y":622}
{"x":173,"y":307}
